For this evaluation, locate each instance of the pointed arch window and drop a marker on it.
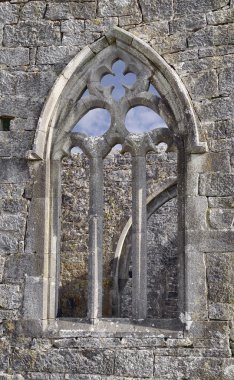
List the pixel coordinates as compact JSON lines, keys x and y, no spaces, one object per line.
{"x":89,"y":82}
{"x":118,"y":98}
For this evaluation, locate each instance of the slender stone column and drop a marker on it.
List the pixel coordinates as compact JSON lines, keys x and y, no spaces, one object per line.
{"x":95,"y":238}
{"x":139,"y":238}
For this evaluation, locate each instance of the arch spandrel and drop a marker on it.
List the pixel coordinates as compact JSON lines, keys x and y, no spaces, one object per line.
{"x":72,"y":81}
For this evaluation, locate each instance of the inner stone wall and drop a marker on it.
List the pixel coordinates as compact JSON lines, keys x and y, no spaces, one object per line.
{"x":37,"y":40}
{"x":74,"y":227}
{"x":162,"y":263}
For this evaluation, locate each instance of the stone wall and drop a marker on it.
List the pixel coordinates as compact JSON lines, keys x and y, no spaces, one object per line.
{"x":117,"y":196}
{"x":37,"y":40}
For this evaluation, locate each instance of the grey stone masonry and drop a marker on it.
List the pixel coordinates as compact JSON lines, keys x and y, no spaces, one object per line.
{"x":174,"y":317}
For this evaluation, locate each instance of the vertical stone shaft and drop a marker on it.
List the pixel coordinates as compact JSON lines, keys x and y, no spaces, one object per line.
{"x":139,"y":231}
{"x":95,"y":238}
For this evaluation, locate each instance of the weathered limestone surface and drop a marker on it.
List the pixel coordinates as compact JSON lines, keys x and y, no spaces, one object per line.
{"x":37,"y":40}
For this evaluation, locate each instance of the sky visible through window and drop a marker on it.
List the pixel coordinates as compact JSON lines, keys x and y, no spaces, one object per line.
{"x":139,"y":119}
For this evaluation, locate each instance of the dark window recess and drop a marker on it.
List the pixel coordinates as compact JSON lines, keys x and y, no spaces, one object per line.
{"x":5,"y":123}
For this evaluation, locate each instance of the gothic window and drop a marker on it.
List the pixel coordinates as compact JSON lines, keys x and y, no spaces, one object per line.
{"x":122,"y":85}
{"x":90,"y":84}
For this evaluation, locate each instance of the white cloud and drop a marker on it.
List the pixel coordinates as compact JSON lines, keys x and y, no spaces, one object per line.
{"x":94,"y":123}
{"x":142,"y":119}
{"x":139,"y":119}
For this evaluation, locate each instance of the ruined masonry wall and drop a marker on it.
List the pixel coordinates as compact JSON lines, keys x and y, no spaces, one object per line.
{"x":160,"y":166}
{"x":37,"y":40}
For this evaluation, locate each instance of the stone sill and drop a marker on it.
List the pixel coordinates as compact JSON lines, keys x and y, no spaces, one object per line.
{"x":114,"y":327}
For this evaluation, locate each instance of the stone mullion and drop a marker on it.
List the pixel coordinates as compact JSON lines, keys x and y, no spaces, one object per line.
{"x":95,"y":238}
{"x":139,"y":238}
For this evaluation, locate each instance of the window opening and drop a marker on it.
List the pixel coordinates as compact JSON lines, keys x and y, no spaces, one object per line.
{"x":73,"y":287}
{"x":153,"y":90}
{"x":117,"y":209}
{"x":162,"y":266}
{"x":118,"y":80}
{"x":139,"y":129}
{"x":76,"y":150}
{"x":61,"y":112}
{"x":94,"y":123}
{"x":5,"y":122}
{"x":142,"y":119}
{"x":85,"y":93}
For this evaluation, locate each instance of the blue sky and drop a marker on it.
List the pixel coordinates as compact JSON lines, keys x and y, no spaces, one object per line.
{"x":138,"y":120}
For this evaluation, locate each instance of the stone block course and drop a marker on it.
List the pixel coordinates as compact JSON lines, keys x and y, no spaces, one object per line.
{"x":216,"y":184}
{"x":222,"y":202}
{"x":220,"y":130}
{"x":197,"y":65}
{"x":12,"y":222}
{"x":33,"y":10}
{"x":4,"y":144}
{"x":156,"y":10}
{"x":180,"y":368}
{"x":169,"y":44}
{"x":15,"y":144}
{"x":10,"y":296}
{"x":13,"y":205}
{"x":190,"y":23}
{"x":184,"y":7}
{"x":118,"y":8}
{"x":19,"y":124}
{"x":79,"y":39}
{"x":202,"y":85}
{"x":22,"y":107}
{"x":33,"y":291}
{"x":216,"y":51}
{"x":2,"y":264}
{"x":204,"y":330}
{"x":1,"y":33}
{"x":106,"y":23}
{"x":212,"y":36}
{"x":128,"y":20}
{"x":13,"y":171}
{"x":226,"y":80}
{"x":187,"y":55}
{"x":9,"y":13}
{"x":132,"y":363}
{"x":32,"y":33}
{"x":71,"y":27}
{"x":221,"y":219}
{"x":8,"y":243}
{"x":14,"y":56}
{"x":220,"y":277}
{"x":51,"y":55}
{"x":8,"y":82}
{"x":215,"y":109}
{"x":97,"y":362}
{"x":14,"y":191}
{"x":221,"y":311}
{"x":70,"y":10}
{"x":34,"y":84}
{"x":17,"y":266}
{"x":152,"y":30}
{"x":221,"y":17}
{"x":211,"y":240}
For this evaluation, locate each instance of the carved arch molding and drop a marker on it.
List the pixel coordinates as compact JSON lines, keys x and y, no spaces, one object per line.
{"x":65,"y":106}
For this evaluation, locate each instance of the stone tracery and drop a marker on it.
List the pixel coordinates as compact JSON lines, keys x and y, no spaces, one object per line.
{"x":96,"y":148}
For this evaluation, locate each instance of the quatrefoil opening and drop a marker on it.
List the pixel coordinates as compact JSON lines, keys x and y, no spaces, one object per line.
{"x":119,"y":79}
